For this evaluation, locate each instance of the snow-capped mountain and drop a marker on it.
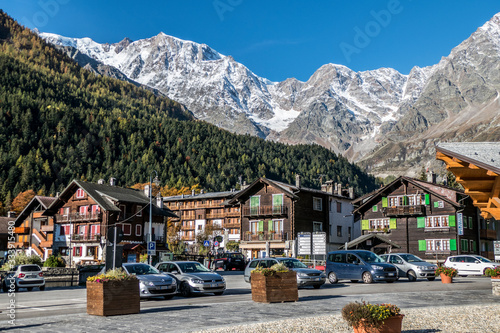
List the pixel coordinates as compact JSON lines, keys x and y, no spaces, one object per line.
{"x":380,"y":117}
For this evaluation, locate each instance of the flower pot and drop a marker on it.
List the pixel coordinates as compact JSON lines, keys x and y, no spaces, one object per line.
{"x":112,"y":298}
{"x":391,"y":325}
{"x":280,"y":287}
{"x":446,"y":279}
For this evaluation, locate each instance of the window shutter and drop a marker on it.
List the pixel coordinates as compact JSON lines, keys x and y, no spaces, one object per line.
{"x":261,"y":226}
{"x":421,"y":222}
{"x":474,"y":246}
{"x":393,"y":223}
{"x":436,"y":204}
{"x":453,"y":244}
{"x":427,"y":199}
{"x":375,"y":208}
{"x":452,"y":221}
{"x":365,"y":224}
{"x":422,"y":245}
{"x":384,"y":202}
{"x":270,"y":225}
{"x":405,"y":200}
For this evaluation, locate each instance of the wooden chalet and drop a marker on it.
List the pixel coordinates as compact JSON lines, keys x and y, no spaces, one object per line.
{"x":476,"y":166}
{"x":429,"y":220}
{"x":84,"y":211}
{"x":34,"y":231}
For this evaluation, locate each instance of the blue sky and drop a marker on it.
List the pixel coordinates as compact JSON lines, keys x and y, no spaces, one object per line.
{"x":276,"y":39}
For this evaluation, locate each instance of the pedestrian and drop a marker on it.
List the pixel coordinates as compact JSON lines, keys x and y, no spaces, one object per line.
{"x":210,"y":255}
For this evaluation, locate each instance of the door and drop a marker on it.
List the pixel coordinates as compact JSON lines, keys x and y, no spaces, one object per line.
{"x":459,"y":264}
{"x":353,"y":267}
{"x":400,"y":264}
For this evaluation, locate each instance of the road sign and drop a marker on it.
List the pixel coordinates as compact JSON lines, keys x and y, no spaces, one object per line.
{"x":111,"y":234}
{"x":206,"y":243}
{"x":216,"y":243}
{"x":319,"y":243}
{"x":460,"y":224}
{"x":151,"y":248}
{"x":496,"y":249}
{"x":304,"y":243}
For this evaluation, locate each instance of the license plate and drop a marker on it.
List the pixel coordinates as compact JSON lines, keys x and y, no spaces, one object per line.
{"x":317,"y":279}
{"x":163,"y":287}
{"x":390,"y":274}
{"x":31,"y":276}
{"x":214,"y":285}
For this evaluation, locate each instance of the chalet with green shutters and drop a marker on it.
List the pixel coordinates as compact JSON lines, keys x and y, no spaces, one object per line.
{"x":426,"y":219}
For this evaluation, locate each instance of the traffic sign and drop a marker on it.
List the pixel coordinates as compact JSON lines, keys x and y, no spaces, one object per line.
{"x":304,"y":243}
{"x":216,"y":243}
{"x":206,"y":243}
{"x":319,"y":243}
{"x":151,"y":248}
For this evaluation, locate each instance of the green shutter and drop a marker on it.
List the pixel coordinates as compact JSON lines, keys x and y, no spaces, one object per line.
{"x":427,"y":199}
{"x":261,"y":226}
{"x":393,"y":223}
{"x":365,"y":224}
{"x":270,"y":225}
{"x":405,"y":200}
{"x":384,"y":202}
{"x":375,"y":208}
{"x":453,"y":244}
{"x":436,"y":204}
{"x":471,"y":222}
{"x":474,"y":246}
{"x":421,"y":222}
{"x":422,"y":245}
{"x":452,"y":221}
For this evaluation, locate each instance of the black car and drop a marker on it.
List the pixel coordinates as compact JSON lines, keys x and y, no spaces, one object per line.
{"x":229,"y":260}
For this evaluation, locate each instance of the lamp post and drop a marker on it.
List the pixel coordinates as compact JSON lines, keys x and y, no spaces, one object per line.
{"x":150,"y":257}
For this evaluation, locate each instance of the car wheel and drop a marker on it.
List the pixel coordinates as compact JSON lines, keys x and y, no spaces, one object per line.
{"x":168,"y":297}
{"x":185,"y":290}
{"x":42,"y":288}
{"x":218,"y":293}
{"x":29,"y":288}
{"x":411,"y":276}
{"x":367,"y":277}
{"x":332,"y":277}
{"x":317,"y":286}
{"x":431,"y":278}
{"x":354,"y":281}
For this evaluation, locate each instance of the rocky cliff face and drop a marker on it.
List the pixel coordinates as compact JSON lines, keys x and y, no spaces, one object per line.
{"x":386,"y":120}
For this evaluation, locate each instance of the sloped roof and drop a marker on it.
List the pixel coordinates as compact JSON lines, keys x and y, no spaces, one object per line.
{"x":201,"y":196}
{"x":37,"y":201}
{"x":366,"y":237}
{"x":482,"y":154}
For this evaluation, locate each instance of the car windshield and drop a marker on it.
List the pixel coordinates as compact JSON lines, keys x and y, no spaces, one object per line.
{"x":236,"y":256}
{"x":369,"y":257}
{"x":483,"y":259}
{"x":410,"y":258}
{"x":141,"y":269}
{"x":293,"y":263}
{"x":30,"y":268}
{"x":192,"y":267}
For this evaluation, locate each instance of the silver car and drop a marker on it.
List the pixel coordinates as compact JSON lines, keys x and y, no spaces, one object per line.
{"x":305,"y":276}
{"x":24,"y":276}
{"x":411,"y":266}
{"x":193,"y":277}
{"x":151,"y":282}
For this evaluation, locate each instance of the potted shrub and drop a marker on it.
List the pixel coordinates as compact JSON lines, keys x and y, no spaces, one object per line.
{"x":494,"y":273}
{"x":373,"y":318}
{"x":274,"y":284}
{"x":447,"y":274}
{"x":113,"y":293}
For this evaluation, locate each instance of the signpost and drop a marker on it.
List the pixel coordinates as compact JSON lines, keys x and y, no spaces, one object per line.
{"x":304,"y":243}
{"x":318,"y":245}
{"x":206,"y":243}
{"x":151,"y":248}
{"x":460,"y":224}
{"x":496,"y":249}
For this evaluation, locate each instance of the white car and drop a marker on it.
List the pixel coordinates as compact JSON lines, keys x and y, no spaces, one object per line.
{"x":24,"y":276}
{"x":470,"y":264}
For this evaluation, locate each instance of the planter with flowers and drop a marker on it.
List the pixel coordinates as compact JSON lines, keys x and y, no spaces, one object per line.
{"x":494,"y":273}
{"x":373,"y":318}
{"x":447,"y":274}
{"x":113,"y":293}
{"x":274,"y":284}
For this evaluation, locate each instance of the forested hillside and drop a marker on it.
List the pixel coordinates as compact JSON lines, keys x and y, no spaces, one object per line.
{"x":59,"y":121}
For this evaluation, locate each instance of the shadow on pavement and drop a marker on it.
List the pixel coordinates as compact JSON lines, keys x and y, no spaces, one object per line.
{"x":27,"y":327}
{"x":174,"y":308}
{"x":315,"y":298}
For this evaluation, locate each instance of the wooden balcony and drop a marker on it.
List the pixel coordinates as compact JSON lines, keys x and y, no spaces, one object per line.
{"x":86,"y":237}
{"x":46,"y":244}
{"x":232,"y":225}
{"x":263,"y":236}
{"x":22,"y":230}
{"x":488,"y":234}
{"x":75,"y":217}
{"x":21,"y":244}
{"x":47,"y":228}
{"x":262,"y":211}
{"x":416,"y":210}
{"x":233,"y":214}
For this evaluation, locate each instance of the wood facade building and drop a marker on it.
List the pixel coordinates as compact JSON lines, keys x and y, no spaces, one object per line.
{"x":429,"y":220}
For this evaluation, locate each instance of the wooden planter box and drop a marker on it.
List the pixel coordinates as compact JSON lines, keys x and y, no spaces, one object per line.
{"x":280,"y":287}
{"x":390,"y":325}
{"x":113,"y":298}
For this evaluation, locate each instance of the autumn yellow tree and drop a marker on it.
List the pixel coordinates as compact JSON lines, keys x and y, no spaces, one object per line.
{"x":22,"y":200}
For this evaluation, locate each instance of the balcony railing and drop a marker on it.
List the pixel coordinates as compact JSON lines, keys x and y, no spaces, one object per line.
{"x":488,"y":234}
{"x":86,"y":237}
{"x":74,"y":217}
{"x":265,"y":236}
{"x":21,"y":244}
{"x":232,"y":225}
{"x":265,"y":211}
{"x":47,"y":228}
{"x":22,"y":230}
{"x":405,"y":210}
{"x":155,"y":238}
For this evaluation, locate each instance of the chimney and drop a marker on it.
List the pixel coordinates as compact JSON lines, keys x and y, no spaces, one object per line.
{"x":202,"y":191}
{"x":159,"y":200}
{"x":324,"y":188}
{"x":192,"y":193}
{"x":351,"y":192}
{"x":431,"y":177}
{"x":297,"y":181}
{"x":112,"y":181}
{"x":100,"y":181}
{"x":244,"y":186}
{"x":146,"y":190}
{"x":11,"y":214}
{"x":329,"y":187}
{"x":339,"y":190}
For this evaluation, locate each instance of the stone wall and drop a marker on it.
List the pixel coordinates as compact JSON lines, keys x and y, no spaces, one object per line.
{"x":495,"y":286}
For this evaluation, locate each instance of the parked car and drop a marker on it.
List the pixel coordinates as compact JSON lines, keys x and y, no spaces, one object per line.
{"x":230,"y":260}
{"x":358,"y":265}
{"x":305,"y":276}
{"x":24,"y":276}
{"x":151,"y":282}
{"x":471,"y":264}
{"x":193,"y":278}
{"x":411,"y":266}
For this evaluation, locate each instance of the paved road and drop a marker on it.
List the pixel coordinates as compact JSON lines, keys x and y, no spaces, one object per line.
{"x":63,"y":310}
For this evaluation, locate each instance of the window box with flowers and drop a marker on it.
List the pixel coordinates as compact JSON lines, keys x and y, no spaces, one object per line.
{"x":113,"y":293}
{"x":446,"y":273}
{"x":365,"y":317}
{"x":274,"y":284}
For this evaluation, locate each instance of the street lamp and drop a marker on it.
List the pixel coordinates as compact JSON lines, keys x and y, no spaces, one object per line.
{"x":156,"y":181}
